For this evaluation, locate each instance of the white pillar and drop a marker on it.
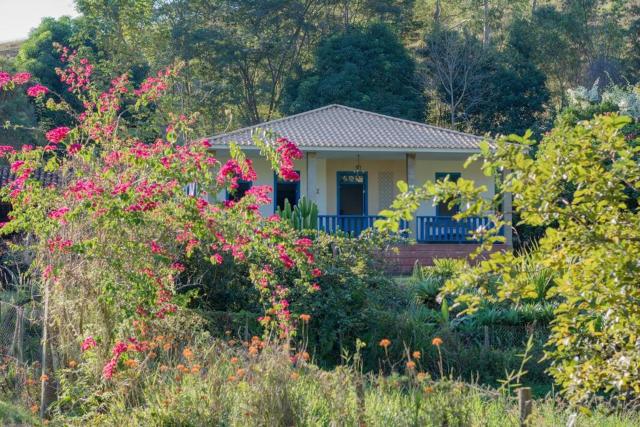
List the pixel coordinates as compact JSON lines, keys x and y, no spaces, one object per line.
{"x":312,"y":177}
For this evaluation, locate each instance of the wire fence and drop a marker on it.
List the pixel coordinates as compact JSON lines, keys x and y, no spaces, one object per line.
{"x":20,"y":331}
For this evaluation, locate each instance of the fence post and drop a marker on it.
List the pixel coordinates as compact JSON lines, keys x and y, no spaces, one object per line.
{"x":525,"y":404}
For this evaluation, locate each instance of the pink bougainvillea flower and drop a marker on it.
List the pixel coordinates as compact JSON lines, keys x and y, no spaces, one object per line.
{"x":88,"y":343}
{"x":6,"y":149}
{"x":58,"y":213}
{"x":156,"y":248}
{"x":37,"y":90}
{"x":316,"y":272}
{"x":74,"y":148}
{"x":15,"y":166}
{"x":109,"y":369}
{"x":58,"y":134}
{"x":5,"y":78}
{"x":21,"y":78}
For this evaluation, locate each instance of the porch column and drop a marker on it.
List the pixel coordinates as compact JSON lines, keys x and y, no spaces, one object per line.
{"x":411,"y":180}
{"x":312,"y":177}
{"x":507,"y":210}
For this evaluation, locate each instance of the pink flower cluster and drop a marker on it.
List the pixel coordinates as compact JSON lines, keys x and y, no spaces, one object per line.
{"x":287,"y":153}
{"x":153,"y":87}
{"x":37,"y":90}
{"x":88,"y":344}
{"x":18,"y":78}
{"x":84,"y":189}
{"x":58,"y":244}
{"x":232,"y":170}
{"x":55,"y":136}
{"x":77,"y":75}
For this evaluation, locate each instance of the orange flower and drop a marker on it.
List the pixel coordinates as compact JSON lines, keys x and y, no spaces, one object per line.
{"x":167,"y":346}
{"x":163,"y":368}
{"x":195,"y":369}
{"x":240,"y":372}
{"x":187,"y":353}
{"x":421,"y":376}
{"x":411,"y":365}
{"x":72,"y":364}
{"x":131,"y":363}
{"x":437,"y":341}
{"x":253,"y":351}
{"x":231,"y":378}
{"x":182,"y":368}
{"x":44,"y":377}
{"x":416,"y":355}
{"x":384,"y":343}
{"x":34,"y":408}
{"x":305,"y":356}
{"x":305,"y":318}
{"x":295,"y":376}
{"x":428,"y":389}
{"x":234,"y":360}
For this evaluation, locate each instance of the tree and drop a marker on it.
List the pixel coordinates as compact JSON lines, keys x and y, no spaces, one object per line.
{"x":454,"y":73}
{"x":582,"y":185}
{"x":365,"y":68}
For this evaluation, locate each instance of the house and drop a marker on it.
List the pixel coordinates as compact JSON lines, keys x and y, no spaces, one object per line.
{"x":352,"y":161}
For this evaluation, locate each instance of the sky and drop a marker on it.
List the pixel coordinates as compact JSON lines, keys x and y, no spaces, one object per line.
{"x":17,"y":17}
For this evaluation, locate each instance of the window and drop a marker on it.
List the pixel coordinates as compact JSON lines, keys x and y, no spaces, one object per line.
{"x":286,"y":190}
{"x":238,"y":193}
{"x":442,"y":209}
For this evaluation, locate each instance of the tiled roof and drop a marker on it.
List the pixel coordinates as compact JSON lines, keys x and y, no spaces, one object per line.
{"x":46,"y":178}
{"x":340,"y":127}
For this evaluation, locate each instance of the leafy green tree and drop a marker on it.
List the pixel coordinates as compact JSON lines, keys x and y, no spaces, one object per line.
{"x":591,"y":249}
{"x":365,"y":68}
{"x":20,"y":114}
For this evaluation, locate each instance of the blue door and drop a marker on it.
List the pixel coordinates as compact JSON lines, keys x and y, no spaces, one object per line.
{"x":352,"y":193}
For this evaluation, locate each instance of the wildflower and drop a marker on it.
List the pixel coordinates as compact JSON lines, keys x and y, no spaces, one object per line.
{"x":58,"y":134}
{"x":253,"y":351}
{"x":295,"y":376}
{"x":44,"y":378}
{"x":428,"y":389}
{"x":187,"y":353}
{"x":240,"y":372}
{"x":305,"y":318}
{"x":72,"y":364}
{"x":34,"y":409}
{"x":234,"y":360}
{"x":231,"y":378}
{"x":316,"y":272}
{"x":437,"y":341}
{"x":131,"y":363}
{"x":37,"y":90}
{"x":416,"y":355}
{"x":5,"y":78}
{"x":421,"y":376}
{"x":305,"y":356}
{"x":195,"y":369}
{"x":411,"y":365}
{"x":166,"y":346}
{"x":88,"y":343}
{"x":384,"y":343}
{"x":164,"y":368}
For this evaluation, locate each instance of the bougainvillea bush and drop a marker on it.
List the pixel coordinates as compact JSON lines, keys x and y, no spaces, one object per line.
{"x":111,"y":239}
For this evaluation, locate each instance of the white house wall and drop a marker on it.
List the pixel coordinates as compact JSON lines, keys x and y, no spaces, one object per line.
{"x":426,"y":167}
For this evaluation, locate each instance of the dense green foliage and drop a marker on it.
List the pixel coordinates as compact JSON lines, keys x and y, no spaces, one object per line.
{"x":514,"y":60}
{"x":363,"y":68}
{"x":582,"y":185}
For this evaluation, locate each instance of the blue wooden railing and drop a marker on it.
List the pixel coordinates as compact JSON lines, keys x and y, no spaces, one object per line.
{"x":429,"y":229}
{"x":446,"y":229}
{"x":351,"y":224}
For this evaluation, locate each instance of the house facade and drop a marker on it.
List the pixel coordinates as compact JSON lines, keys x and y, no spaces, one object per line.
{"x":352,"y":161}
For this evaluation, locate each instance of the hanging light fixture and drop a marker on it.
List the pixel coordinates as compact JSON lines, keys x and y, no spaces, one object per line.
{"x":358,"y":168}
